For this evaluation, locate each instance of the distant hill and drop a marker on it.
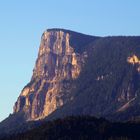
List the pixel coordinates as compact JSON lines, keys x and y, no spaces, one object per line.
{"x":80,"y":128}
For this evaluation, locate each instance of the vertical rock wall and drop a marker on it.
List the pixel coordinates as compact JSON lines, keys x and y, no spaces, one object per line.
{"x":57,"y":62}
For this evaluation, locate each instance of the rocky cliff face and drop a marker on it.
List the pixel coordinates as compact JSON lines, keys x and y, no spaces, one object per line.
{"x":80,"y":74}
{"x":57,"y":64}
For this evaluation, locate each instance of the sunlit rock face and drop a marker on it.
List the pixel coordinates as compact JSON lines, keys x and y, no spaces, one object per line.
{"x":134,"y":60}
{"x":57,"y":64}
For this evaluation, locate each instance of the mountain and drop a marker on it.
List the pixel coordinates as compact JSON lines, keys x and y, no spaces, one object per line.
{"x":78,"y":74}
{"x":61,"y":56}
{"x":80,"y":128}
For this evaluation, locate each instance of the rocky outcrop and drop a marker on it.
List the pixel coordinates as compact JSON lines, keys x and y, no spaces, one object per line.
{"x":58,"y":63}
{"x":135,"y":61}
{"x":79,"y":74}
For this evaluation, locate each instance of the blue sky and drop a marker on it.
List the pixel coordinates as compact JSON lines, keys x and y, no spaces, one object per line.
{"x":23,"y":22}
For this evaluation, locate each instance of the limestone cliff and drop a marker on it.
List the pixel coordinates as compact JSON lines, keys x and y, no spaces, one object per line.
{"x":57,"y":64}
{"x":79,"y":74}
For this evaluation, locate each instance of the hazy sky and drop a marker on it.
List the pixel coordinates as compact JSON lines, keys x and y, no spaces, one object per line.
{"x":23,"y":22}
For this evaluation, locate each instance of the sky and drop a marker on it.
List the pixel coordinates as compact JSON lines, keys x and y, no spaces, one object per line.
{"x":23,"y":22}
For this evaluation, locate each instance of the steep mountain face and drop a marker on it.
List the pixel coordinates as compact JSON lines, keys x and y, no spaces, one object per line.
{"x":79,"y":74}
{"x":109,"y":83}
{"x":59,"y":62}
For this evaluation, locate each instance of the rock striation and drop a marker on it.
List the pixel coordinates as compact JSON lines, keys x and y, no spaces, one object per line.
{"x":57,"y":64}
